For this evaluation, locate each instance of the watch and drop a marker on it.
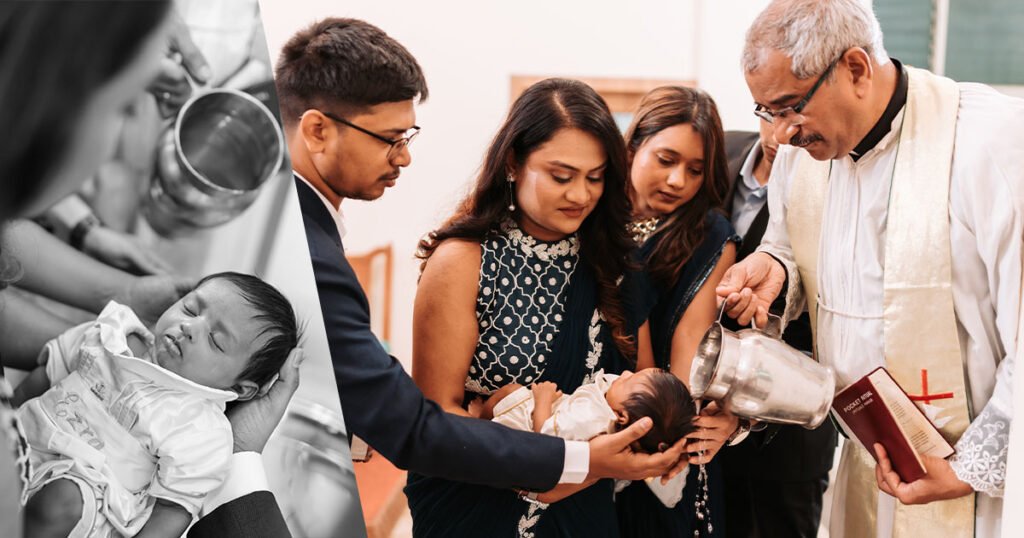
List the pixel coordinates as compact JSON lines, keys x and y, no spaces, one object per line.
{"x":82,"y":229}
{"x":61,"y":218}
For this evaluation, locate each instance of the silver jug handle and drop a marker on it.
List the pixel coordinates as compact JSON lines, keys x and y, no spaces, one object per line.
{"x":197,"y":88}
{"x":772,"y":329}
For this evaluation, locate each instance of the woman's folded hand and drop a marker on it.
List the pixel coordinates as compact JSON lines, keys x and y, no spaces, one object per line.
{"x":714,"y":427}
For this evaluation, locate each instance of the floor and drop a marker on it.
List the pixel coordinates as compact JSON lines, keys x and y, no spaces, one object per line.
{"x":403,"y":529}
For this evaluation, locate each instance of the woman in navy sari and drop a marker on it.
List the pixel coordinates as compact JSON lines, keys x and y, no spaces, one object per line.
{"x":678,"y":179}
{"x":521,"y":286}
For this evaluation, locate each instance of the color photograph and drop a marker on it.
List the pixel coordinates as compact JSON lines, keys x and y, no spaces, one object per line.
{"x":577,"y":199}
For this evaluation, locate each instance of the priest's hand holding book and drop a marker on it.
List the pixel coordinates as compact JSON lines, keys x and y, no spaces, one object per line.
{"x":938,"y":484}
{"x":910,"y":452}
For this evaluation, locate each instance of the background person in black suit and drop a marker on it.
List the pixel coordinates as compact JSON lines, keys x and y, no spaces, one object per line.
{"x":774,"y":481}
{"x":347,"y":94}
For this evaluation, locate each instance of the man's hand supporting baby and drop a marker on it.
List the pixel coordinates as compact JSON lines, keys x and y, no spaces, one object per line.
{"x":253,"y":421}
{"x":611,"y":456}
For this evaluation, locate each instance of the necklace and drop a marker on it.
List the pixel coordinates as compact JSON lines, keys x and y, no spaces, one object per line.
{"x":642,"y":230}
{"x":543,"y":250}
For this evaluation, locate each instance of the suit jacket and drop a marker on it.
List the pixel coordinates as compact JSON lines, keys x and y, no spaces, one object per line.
{"x":738,"y":145}
{"x":778,"y":452}
{"x":383,"y":406}
{"x":255,"y":515}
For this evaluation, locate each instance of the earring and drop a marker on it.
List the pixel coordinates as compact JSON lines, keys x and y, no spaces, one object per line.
{"x":511,"y":193}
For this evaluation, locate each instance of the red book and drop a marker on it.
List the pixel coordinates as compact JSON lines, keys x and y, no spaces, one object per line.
{"x":876,"y":410}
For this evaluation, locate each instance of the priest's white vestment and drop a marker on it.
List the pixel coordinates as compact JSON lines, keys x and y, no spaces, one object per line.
{"x":986,"y":219}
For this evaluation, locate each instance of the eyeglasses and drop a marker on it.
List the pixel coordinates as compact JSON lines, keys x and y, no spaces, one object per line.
{"x":793,"y":114}
{"x":397,"y":144}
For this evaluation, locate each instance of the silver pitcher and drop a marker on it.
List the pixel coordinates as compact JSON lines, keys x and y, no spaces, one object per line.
{"x":309,"y":470}
{"x":211,"y":162}
{"x":755,"y":375}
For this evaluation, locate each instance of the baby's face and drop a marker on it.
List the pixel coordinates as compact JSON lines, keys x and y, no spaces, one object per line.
{"x":625,"y":385}
{"x":209,"y":335}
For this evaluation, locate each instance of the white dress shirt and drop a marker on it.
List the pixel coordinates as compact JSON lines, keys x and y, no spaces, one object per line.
{"x":335,"y":212}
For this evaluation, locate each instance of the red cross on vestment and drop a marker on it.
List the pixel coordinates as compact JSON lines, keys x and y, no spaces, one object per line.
{"x":925,"y":397}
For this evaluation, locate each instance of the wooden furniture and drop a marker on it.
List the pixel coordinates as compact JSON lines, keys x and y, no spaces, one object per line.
{"x":374,"y":271}
{"x":380,"y":493}
{"x":380,"y":483}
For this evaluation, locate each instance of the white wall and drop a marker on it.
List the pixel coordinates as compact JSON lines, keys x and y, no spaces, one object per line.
{"x":718,"y":48}
{"x":469,"y":50}
{"x":291,"y":271}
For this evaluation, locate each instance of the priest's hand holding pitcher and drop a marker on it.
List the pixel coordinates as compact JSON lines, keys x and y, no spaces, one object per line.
{"x":749,"y":288}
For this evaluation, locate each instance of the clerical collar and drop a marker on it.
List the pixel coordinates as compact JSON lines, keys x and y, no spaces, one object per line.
{"x":896,"y":103}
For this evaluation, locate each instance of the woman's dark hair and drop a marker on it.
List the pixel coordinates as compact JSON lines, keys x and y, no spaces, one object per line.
{"x":670,"y":406}
{"x":276,"y":312}
{"x":344,"y":66}
{"x":54,"y":57}
{"x":680,"y":233}
{"x":540,"y":112}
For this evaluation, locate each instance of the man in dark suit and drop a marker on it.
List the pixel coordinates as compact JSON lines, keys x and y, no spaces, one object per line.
{"x":775,"y":479}
{"x":347,"y":94}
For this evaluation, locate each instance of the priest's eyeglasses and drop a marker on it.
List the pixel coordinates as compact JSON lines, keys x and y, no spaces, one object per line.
{"x":793,"y":114}
{"x":397,"y":144}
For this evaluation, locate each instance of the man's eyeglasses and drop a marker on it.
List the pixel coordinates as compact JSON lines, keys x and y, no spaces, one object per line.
{"x":793,"y":114}
{"x":396,"y":143}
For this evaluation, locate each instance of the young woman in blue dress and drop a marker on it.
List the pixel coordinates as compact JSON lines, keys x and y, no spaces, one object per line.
{"x":678,"y":179}
{"x":520,"y":285}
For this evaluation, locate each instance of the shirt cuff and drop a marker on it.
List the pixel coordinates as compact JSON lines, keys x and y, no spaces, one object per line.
{"x":245,"y":475}
{"x":577,"y":462}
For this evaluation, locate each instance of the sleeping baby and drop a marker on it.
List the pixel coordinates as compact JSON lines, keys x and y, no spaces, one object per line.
{"x":129,"y":433}
{"x":608,"y":404}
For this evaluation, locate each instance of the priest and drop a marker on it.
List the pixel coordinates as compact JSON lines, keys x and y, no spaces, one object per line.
{"x":896,"y":221}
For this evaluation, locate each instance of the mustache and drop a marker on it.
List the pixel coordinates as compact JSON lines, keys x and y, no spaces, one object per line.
{"x":800,"y":141}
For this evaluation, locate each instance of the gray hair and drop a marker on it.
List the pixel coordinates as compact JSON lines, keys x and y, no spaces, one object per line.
{"x":813,"y":33}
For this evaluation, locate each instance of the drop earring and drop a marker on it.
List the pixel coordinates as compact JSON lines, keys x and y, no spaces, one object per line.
{"x":511,"y":193}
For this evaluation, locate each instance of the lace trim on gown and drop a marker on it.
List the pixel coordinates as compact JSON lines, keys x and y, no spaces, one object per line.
{"x":980,"y":458}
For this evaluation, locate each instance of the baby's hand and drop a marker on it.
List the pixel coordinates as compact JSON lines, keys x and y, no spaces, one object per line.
{"x":546,"y":391}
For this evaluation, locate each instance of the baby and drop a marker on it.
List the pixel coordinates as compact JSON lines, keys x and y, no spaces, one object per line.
{"x":132,"y":435}
{"x":608,"y":404}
